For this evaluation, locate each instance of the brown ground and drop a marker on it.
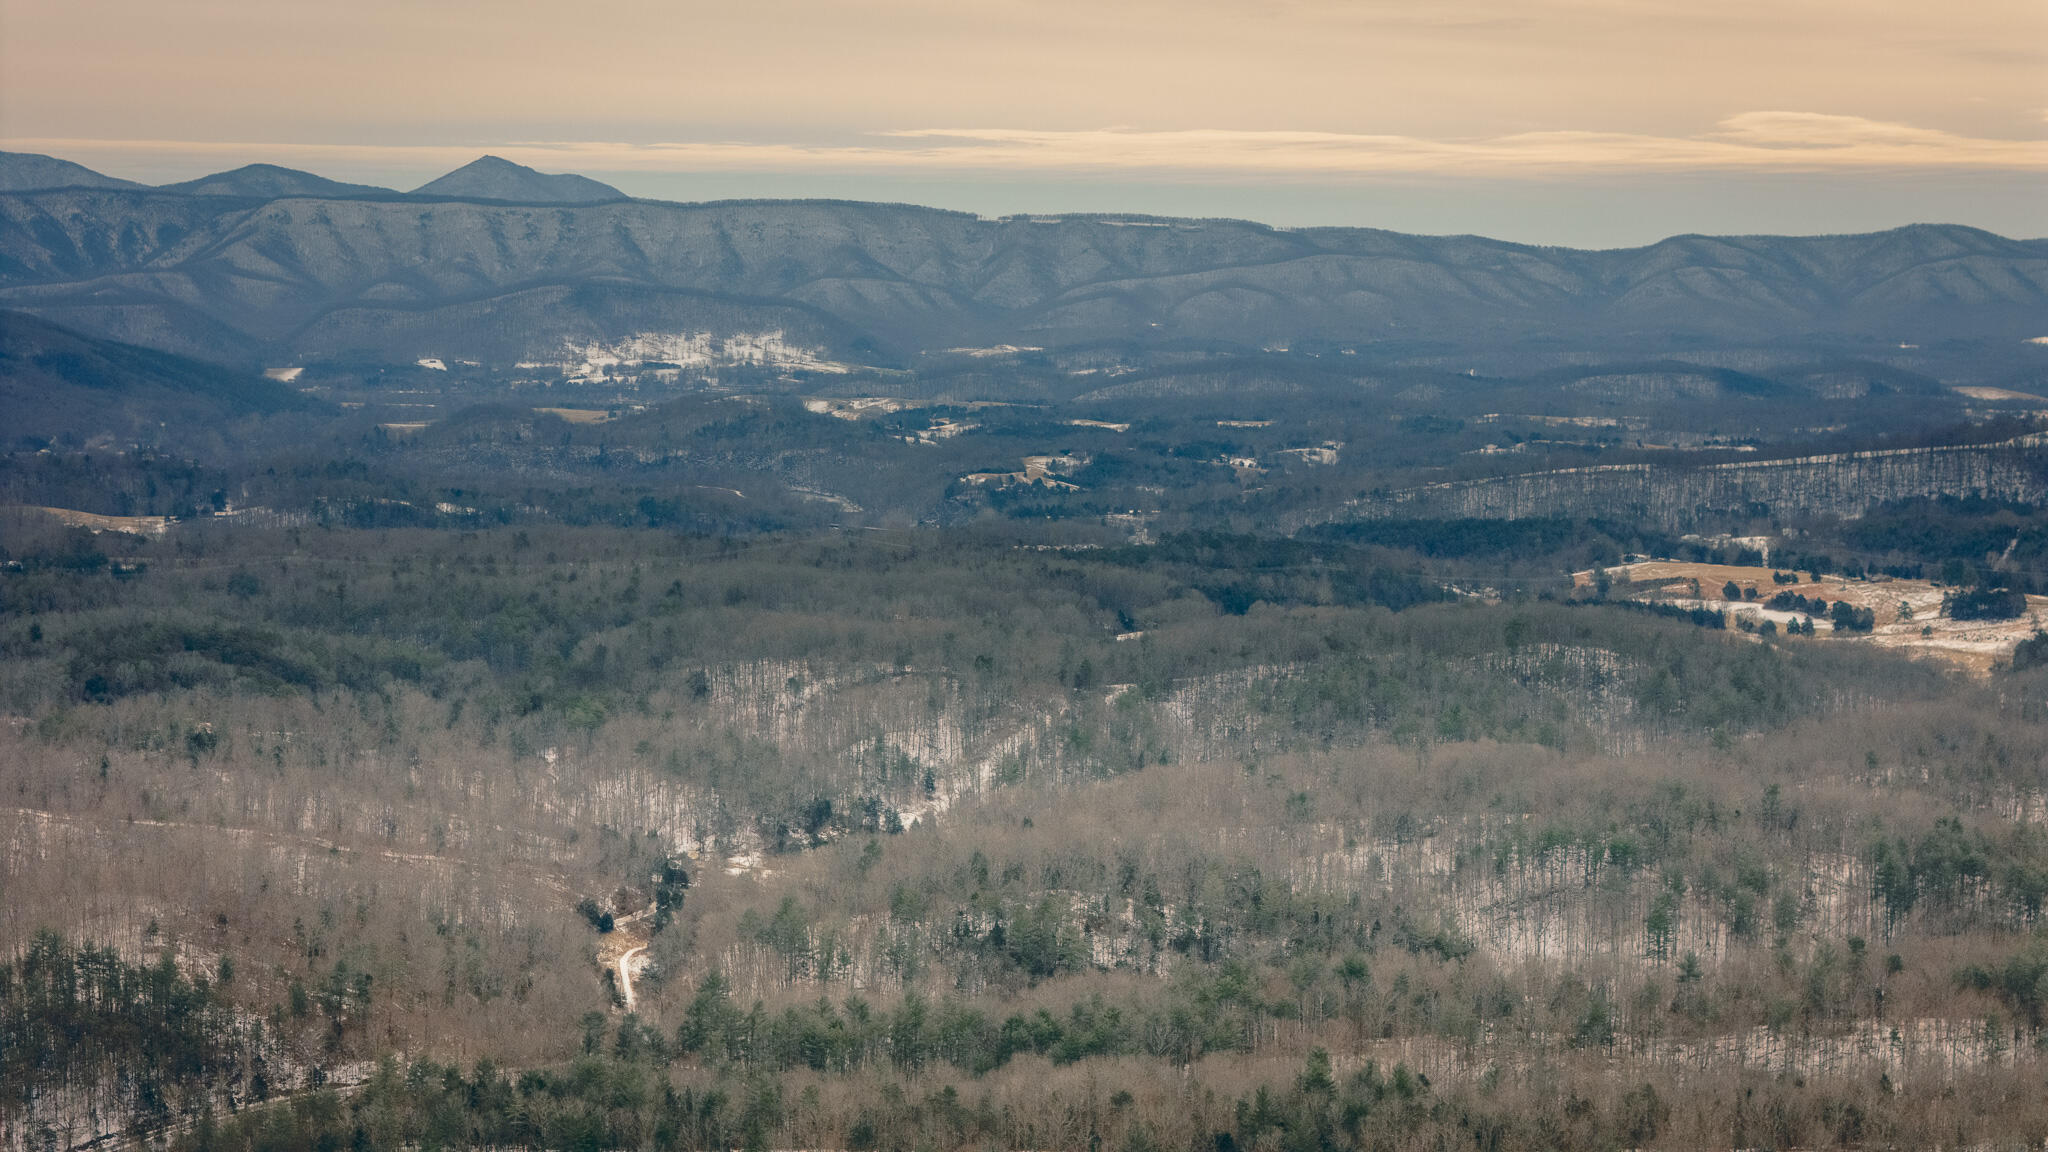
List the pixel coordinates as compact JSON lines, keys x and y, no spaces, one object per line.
{"x":139,"y":525}
{"x":620,"y":941}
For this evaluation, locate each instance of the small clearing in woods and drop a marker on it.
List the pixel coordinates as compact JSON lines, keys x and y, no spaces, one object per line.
{"x":1974,"y":645}
{"x":1975,"y":392}
{"x":578,"y":415}
{"x":854,"y":407}
{"x":137,"y":525}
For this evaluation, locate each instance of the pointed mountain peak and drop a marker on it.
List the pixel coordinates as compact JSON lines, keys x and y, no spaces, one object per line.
{"x":495,"y":178}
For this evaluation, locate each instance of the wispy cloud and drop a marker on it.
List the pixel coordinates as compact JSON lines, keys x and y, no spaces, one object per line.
{"x":1796,"y":141}
{"x":1751,"y":142}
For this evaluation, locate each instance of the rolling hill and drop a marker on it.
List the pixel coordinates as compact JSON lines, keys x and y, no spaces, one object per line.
{"x":268,"y":182}
{"x":62,"y":387}
{"x":27,"y":171}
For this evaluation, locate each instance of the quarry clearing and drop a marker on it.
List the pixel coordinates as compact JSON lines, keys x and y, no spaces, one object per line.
{"x":1978,"y":393}
{"x":1972,"y":645}
{"x":862,"y":407}
{"x":93,"y":521}
{"x":854,"y":407}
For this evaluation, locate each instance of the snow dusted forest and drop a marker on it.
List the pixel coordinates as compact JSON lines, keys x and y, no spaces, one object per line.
{"x":1005,"y":836}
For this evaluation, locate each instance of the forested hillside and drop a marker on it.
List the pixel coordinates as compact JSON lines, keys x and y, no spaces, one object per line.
{"x":987,"y":835}
{"x":64,"y":388}
{"x":512,"y":666}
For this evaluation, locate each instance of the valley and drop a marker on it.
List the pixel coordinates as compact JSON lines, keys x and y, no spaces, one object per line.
{"x":513,"y":665}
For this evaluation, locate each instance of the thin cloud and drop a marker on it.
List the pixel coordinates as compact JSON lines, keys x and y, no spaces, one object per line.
{"x":1795,"y":141}
{"x":1750,"y":142}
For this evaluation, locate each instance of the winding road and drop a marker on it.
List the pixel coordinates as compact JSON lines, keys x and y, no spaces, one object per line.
{"x":626,"y":975}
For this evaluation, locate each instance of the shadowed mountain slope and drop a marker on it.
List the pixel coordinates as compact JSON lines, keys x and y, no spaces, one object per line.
{"x":58,"y":385}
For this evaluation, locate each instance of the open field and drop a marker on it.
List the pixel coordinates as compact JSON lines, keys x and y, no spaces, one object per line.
{"x":1908,"y":612}
{"x":138,"y":525}
{"x":578,"y":415}
{"x":1981,"y":393}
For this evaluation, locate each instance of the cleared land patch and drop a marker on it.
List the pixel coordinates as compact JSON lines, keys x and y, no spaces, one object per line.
{"x":137,"y":525}
{"x":578,"y":415}
{"x":1908,"y":612}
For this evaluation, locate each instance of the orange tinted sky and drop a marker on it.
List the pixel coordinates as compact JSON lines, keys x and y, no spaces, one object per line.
{"x":784,"y":96}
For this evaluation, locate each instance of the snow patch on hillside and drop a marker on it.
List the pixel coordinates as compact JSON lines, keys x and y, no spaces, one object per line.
{"x":671,"y":353}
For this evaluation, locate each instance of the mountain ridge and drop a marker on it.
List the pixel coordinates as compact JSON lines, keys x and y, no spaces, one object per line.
{"x":33,"y":171}
{"x":392,"y":277}
{"x":17,"y":171}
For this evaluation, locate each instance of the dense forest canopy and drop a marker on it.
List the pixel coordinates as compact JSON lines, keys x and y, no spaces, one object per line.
{"x":321,"y":823}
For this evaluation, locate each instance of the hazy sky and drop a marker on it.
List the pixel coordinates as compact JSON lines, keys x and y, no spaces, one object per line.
{"x":1582,"y":121}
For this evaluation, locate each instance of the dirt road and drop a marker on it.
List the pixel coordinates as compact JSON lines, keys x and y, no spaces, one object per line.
{"x":626,"y":975}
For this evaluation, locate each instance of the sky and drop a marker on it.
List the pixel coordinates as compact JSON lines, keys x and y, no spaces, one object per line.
{"x":1586,"y":122}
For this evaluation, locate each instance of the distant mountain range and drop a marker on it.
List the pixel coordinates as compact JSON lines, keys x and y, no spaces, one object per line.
{"x":485,"y":178}
{"x":500,"y":265}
